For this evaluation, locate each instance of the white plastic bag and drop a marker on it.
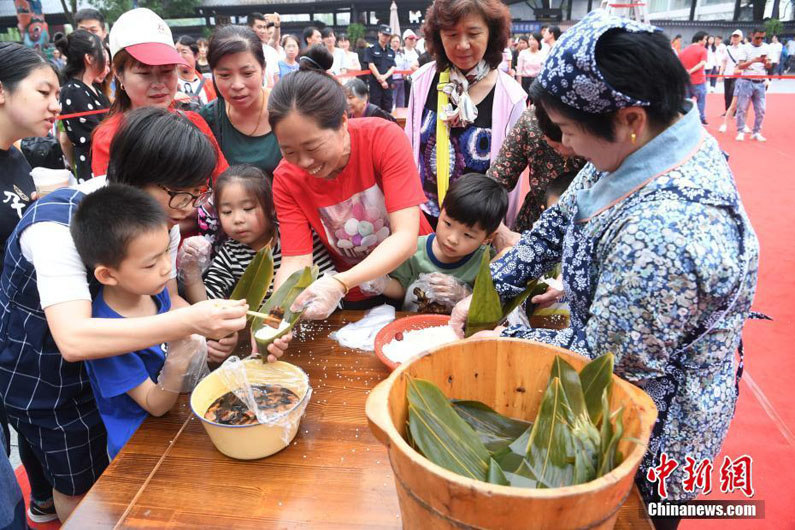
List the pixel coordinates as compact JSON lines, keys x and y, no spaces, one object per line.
{"x":361,"y":335}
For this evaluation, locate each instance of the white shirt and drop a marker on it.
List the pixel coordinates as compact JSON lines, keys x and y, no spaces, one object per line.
{"x":749,"y":52}
{"x":411,"y":56}
{"x":775,"y":51}
{"x":731,"y":58}
{"x":271,"y":64}
{"x":190,"y":88}
{"x":60,"y":273}
{"x":339,"y":61}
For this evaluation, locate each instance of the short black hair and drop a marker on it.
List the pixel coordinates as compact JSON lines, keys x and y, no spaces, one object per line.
{"x":625,"y":60}
{"x":189,"y":42}
{"x":107,"y":221}
{"x":758,"y":30}
{"x":326,"y":32}
{"x":555,"y":30}
{"x":476,"y":200}
{"x":699,"y":36}
{"x":308,"y":32}
{"x":559,"y":185}
{"x":89,"y":14}
{"x":253,"y":17}
{"x":155,"y":146}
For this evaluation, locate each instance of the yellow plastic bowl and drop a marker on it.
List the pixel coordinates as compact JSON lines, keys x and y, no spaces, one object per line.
{"x":249,"y":442}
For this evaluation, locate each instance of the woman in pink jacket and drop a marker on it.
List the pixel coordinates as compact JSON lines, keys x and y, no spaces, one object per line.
{"x":461,"y":104}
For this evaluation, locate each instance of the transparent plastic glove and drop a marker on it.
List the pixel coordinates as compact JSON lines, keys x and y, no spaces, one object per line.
{"x":458,"y":318}
{"x":193,"y":258}
{"x":444,"y":289}
{"x":320,"y":299}
{"x":374,"y":287}
{"x":185,"y":366}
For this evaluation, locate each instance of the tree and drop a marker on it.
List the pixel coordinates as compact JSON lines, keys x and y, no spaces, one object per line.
{"x":69,"y":9}
{"x":112,"y":9}
{"x":355,"y":32}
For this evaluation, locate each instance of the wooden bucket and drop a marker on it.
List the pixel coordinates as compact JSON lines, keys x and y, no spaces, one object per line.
{"x":510,"y":375}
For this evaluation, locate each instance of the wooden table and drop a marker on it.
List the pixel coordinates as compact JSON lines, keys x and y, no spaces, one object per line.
{"x":333,"y":475}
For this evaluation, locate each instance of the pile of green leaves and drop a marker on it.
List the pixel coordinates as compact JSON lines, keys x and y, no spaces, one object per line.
{"x":487,"y":310}
{"x":573,"y":440}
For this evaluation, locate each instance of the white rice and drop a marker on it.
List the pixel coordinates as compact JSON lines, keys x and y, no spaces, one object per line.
{"x":266,"y":332}
{"x":418,"y":341}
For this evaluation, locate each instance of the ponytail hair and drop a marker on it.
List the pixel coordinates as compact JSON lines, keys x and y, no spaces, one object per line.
{"x":310,"y":91}
{"x":75,"y":46}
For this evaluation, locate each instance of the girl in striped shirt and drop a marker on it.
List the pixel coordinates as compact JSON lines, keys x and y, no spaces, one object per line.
{"x":244,"y":201}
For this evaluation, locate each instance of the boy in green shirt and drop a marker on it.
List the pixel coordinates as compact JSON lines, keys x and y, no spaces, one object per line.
{"x":443,"y":269}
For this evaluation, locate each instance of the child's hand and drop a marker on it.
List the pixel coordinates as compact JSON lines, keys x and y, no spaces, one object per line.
{"x":489,"y":333}
{"x":275,"y":349}
{"x":219,"y":350}
{"x":185,"y":366}
{"x":446,"y":289}
{"x":216,"y":318}
{"x":193,"y":258}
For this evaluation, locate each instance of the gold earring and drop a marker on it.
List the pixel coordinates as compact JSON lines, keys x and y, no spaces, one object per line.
{"x":633,"y":138}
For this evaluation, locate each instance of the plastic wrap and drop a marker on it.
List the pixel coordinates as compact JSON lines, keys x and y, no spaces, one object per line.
{"x":185,"y":365}
{"x":193,"y":258}
{"x":240,"y":377}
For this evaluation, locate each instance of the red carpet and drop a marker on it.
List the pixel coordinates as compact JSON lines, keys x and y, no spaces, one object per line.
{"x":765,"y":420}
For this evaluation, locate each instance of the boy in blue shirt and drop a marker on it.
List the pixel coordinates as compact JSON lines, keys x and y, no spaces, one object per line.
{"x":443,"y":269}
{"x":122,"y":234}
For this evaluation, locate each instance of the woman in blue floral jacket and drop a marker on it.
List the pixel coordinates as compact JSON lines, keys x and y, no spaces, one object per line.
{"x":659,"y":258}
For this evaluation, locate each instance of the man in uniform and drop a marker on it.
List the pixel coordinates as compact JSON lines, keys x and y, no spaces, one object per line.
{"x":381,"y":61}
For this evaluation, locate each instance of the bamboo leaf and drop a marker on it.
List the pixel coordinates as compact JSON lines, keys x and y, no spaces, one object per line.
{"x":485,"y":312}
{"x":442,"y":436}
{"x":596,"y":377}
{"x":551,"y":447}
{"x":283,"y":299}
{"x":495,"y":430}
{"x":496,"y":475}
{"x":534,"y":287}
{"x":570,"y":381}
{"x":611,"y":457}
{"x":256,"y":280}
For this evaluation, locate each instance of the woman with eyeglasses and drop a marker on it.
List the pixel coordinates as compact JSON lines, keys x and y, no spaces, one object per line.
{"x":145,"y":63}
{"x":46,"y":291}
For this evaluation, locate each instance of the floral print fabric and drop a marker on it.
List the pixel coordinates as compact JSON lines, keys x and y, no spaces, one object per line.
{"x":525,"y":147}
{"x":664,"y":279}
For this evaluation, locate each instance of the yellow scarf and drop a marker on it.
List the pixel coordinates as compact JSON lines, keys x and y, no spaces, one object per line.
{"x":442,"y":139}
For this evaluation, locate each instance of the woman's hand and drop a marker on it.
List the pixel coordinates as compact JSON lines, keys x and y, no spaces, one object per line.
{"x":320,"y":299}
{"x":551,"y":296}
{"x":458,"y":318}
{"x":216,"y":318}
{"x":219,"y":350}
{"x":193,"y":258}
{"x":275,"y":349}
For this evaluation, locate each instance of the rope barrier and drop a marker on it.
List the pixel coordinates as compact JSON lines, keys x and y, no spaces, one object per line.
{"x":736,"y":76}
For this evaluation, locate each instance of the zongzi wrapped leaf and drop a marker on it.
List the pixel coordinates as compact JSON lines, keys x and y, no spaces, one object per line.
{"x":485,"y":311}
{"x":256,"y":280}
{"x":596,"y":377}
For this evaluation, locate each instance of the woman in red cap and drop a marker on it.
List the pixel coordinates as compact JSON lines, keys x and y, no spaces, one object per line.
{"x":145,"y":71}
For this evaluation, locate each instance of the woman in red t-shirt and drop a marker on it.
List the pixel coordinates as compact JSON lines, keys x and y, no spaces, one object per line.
{"x":353,"y":182}
{"x":145,"y":71}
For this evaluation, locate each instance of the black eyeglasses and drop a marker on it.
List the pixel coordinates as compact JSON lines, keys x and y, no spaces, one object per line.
{"x":183,"y":199}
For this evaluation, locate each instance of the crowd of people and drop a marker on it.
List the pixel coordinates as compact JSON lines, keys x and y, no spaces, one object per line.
{"x":189,"y":156}
{"x":745,"y":65}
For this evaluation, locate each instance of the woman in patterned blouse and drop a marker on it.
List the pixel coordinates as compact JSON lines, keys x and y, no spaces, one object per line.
{"x":533,"y":143}
{"x":659,"y":258}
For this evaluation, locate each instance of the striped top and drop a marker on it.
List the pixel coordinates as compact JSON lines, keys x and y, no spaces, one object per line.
{"x":233,"y":257}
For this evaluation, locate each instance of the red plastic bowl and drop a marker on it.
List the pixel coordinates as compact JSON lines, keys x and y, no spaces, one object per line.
{"x":411,"y":323}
